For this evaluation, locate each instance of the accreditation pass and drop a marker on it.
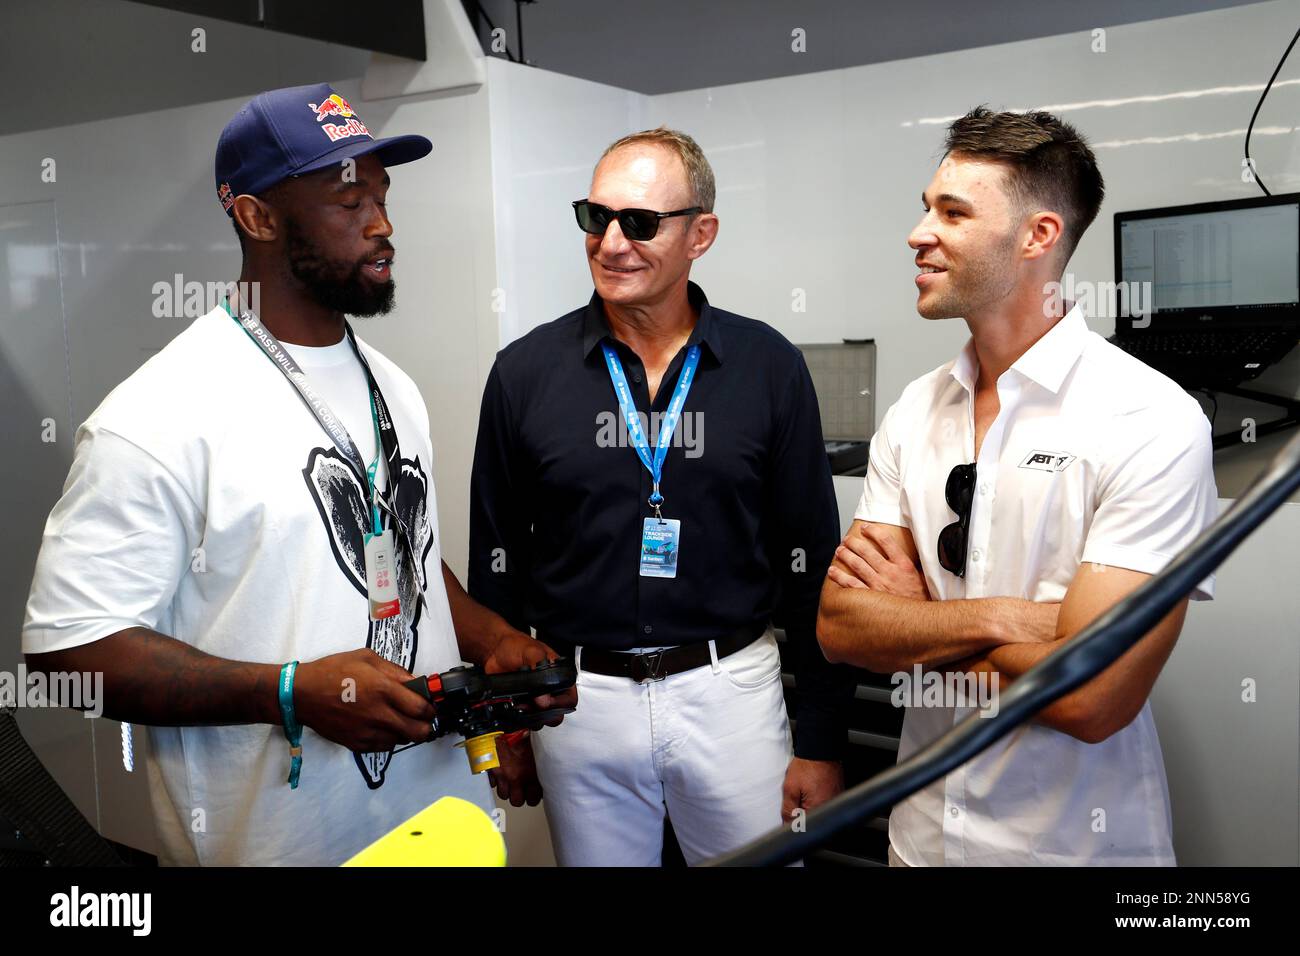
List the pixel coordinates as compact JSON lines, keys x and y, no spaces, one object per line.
{"x":381,"y":581}
{"x":660,"y":541}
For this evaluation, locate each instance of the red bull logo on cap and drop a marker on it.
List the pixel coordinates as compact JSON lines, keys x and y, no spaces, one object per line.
{"x":336,"y":105}
{"x":226,"y":195}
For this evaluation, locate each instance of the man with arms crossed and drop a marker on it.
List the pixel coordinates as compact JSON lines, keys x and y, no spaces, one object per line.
{"x":1013,"y":495}
{"x":213,"y":550}
{"x":568,"y":535}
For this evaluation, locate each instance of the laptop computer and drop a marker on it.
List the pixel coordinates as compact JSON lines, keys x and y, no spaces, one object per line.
{"x":1209,"y":294}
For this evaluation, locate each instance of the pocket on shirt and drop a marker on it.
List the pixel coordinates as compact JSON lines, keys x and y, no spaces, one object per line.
{"x":754,"y":666}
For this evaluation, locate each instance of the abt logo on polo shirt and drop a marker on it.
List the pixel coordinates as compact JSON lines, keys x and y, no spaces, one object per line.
{"x":1047,"y":460}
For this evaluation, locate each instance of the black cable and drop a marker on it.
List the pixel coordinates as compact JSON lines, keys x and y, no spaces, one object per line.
{"x":1250,"y":163}
{"x":1084,"y":656}
{"x":519,"y":28}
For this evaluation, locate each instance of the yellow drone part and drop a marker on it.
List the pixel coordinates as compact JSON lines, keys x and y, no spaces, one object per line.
{"x":482,"y":752}
{"x":450,"y":832}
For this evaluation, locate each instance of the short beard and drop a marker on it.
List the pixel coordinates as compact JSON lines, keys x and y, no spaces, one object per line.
{"x":983,"y":281}
{"x":338,"y":286}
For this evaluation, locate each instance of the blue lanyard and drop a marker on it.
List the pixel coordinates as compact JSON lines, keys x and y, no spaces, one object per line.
{"x":666,"y":427}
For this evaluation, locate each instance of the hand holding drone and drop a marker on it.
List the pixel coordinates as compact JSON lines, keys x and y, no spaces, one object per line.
{"x":482,"y":707}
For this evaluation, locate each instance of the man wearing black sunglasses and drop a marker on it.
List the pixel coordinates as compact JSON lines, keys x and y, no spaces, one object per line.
{"x":653,"y":550}
{"x":1013,"y":495}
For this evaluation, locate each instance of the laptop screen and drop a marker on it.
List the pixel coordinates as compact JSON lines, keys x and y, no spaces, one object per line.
{"x":1232,"y":259}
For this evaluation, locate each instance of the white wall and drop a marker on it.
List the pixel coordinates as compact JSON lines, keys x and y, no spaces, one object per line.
{"x":820,"y":176}
{"x":547,"y":132}
{"x":1233,"y":761}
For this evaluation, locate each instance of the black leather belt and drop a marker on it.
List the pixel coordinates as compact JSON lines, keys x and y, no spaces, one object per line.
{"x":653,"y":665}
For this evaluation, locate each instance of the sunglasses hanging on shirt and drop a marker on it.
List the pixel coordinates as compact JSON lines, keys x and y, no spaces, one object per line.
{"x":959,"y":493}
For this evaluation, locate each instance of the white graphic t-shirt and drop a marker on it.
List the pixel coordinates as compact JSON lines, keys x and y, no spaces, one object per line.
{"x":206,"y":502}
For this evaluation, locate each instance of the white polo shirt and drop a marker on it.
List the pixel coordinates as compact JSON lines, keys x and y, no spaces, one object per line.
{"x":1093,"y":457}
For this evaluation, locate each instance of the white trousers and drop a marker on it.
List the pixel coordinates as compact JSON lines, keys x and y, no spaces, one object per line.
{"x":710,"y":746}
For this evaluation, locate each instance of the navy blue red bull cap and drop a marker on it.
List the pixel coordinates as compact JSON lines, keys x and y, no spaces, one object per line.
{"x":301,"y":129}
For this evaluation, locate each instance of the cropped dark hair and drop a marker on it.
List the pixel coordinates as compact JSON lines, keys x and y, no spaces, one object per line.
{"x":1052,"y":166}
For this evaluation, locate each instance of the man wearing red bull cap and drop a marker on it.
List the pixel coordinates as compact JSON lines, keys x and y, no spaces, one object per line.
{"x":247,"y":543}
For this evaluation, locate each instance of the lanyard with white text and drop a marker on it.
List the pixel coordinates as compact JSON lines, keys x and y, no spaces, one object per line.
{"x":385,"y":433}
{"x":332,"y":424}
{"x":666,"y":428}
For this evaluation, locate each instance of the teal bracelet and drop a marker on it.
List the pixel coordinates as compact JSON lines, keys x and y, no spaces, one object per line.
{"x":292,"y":729}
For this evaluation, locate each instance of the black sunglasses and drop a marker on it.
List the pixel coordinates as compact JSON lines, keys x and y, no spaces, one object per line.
{"x":959,"y":493}
{"x":639,"y":225}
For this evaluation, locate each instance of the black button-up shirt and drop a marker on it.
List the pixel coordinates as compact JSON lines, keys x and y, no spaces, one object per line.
{"x":558,"y":499}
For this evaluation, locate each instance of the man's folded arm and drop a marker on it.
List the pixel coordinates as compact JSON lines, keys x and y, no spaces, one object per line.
{"x":1156,"y":494}
{"x":1110,"y":701}
{"x":887,"y":632}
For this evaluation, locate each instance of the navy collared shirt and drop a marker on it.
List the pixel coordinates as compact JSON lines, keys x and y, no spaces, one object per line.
{"x":558,"y":497}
